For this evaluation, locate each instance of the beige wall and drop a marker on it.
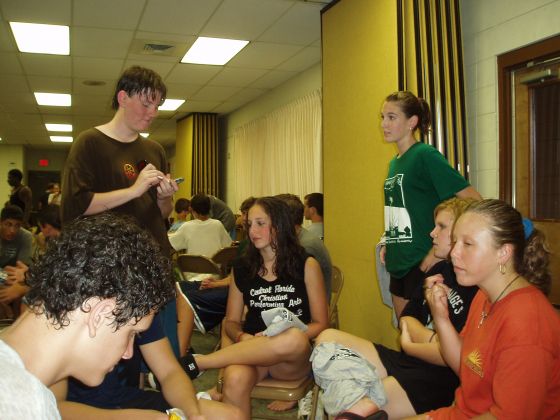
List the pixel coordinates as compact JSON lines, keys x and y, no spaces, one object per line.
{"x":12,"y":158}
{"x":359,"y":71}
{"x":490,"y":28}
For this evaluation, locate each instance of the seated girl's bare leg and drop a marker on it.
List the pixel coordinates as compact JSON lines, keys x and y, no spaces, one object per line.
{"x":239,"y":380}
{"x":185,"y":324}
{"x":282,"y":349}
{"x":398,"y":405}
{"x":215,"y":411}
{"x":360,"y":345}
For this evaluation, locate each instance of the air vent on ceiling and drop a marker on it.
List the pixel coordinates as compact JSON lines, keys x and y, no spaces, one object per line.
{"x":158,"y":48}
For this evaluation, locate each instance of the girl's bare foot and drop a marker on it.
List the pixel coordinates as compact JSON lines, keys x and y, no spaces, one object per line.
{"x":281,"y":405}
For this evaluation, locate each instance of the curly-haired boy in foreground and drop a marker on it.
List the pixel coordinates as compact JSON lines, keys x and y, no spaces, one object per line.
{"x":95,"y":289}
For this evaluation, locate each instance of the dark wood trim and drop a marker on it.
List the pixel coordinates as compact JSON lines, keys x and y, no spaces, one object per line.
{"x":400,"y":45}
{"x":418,"y":49}
{"x":507,"y":63}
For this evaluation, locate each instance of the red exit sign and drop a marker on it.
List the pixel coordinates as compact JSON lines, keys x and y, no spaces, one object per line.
{"x":43,"y":162}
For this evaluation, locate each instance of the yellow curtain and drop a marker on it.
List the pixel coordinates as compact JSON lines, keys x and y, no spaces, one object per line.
{"x":205,"y":154}
{"x":431,"y":65}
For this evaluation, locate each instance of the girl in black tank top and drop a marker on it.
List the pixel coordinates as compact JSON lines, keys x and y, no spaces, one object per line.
{"x":274,"y":273}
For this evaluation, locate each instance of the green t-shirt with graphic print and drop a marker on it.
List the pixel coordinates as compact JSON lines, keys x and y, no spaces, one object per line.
{"x":417,"y":182}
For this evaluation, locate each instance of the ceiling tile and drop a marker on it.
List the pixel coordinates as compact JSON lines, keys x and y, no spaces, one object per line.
{"x":302,"y":60}
{"x":181,"y":90}
{"x":199,"y":106}
{"x":92,"y":42}
{"x":56,"y":12}
{"x":50,"y":84}
{"x":97,"y":68}
{"x":13,"y":83}
{"x":46,"y":64}
{"x":78,"y":87}
{"x":9,"y":63}
{"x":246,"y":95}
{"x":165,"y":37}
{"x":232,"y":76}
{"x":272,"y":79}
{"x":177,"y":16}
{"x":121,"y":14}
{"x":7,"y":42}
{"x":262,"y":55}
{"x":227,"y":107}
{"x":301,"y":25}
{"x":244,"y":19}
{"x":192,"y":73}
{"x":58,"y":119}
{"x":18,"y":102}
{"x":26,"y":119}
{"x":90,"y":105}
{"x":215,"y":93}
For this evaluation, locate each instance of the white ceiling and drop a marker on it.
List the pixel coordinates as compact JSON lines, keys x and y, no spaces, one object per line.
{"x":107,"y":36}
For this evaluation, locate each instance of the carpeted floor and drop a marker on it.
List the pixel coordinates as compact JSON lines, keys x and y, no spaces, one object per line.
{"x":205,"y":343}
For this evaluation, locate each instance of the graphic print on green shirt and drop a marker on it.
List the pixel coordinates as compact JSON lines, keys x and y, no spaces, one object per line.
{"x":398,"y":227}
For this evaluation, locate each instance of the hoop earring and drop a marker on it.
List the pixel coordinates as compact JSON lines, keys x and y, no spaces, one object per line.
{"x":502,"y":269}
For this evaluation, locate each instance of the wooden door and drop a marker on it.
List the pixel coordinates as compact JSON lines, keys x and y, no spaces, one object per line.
{"x":536,"y":153}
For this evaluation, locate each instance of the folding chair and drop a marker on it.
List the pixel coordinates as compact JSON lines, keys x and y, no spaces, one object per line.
{"x":197,"y":264}
{"x":224,"y":258}
{"x":273,"y":389}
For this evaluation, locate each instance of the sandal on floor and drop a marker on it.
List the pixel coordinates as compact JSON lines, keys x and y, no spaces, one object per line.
{"x":347,"y":415}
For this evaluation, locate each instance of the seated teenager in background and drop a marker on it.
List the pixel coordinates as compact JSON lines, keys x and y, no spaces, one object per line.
{"x":416,"y":379}
{"x":90,"y":296}
{"x":15,"y":287}
{"x":220,"y":211}
{"x":275,"y":273}
{"x":314,"y":213}
{"x":508,"y":354}
{"x":312,"y":244}
{"x":15,"y":241}
{"x":202,"y":235}
{"x":182,"y":211}
{"x":206,"y":300}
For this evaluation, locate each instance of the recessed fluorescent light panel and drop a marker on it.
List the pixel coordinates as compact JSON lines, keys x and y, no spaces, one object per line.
{"x":61,"y":139}
{"x":40,"y":38}
{"x":216,"y":51}
{"x":53,"y":99}
{"x":59,"y":127}
{"x":171,"y":104}
{"x":145,"y":135}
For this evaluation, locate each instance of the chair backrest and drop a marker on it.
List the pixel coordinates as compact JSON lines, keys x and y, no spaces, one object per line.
{"x":224,"y":258}
{"x":197,"y":264}
{"x":336,"y":285}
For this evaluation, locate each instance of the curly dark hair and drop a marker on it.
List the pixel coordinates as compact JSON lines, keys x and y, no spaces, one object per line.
{"x":142,"y":81}
{"x":107,"y":256}
{"x":289,"y":253}
{"x":530,"y":255}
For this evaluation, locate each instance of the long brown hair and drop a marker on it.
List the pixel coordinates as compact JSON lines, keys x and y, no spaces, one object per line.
{"x":289,"y":253}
